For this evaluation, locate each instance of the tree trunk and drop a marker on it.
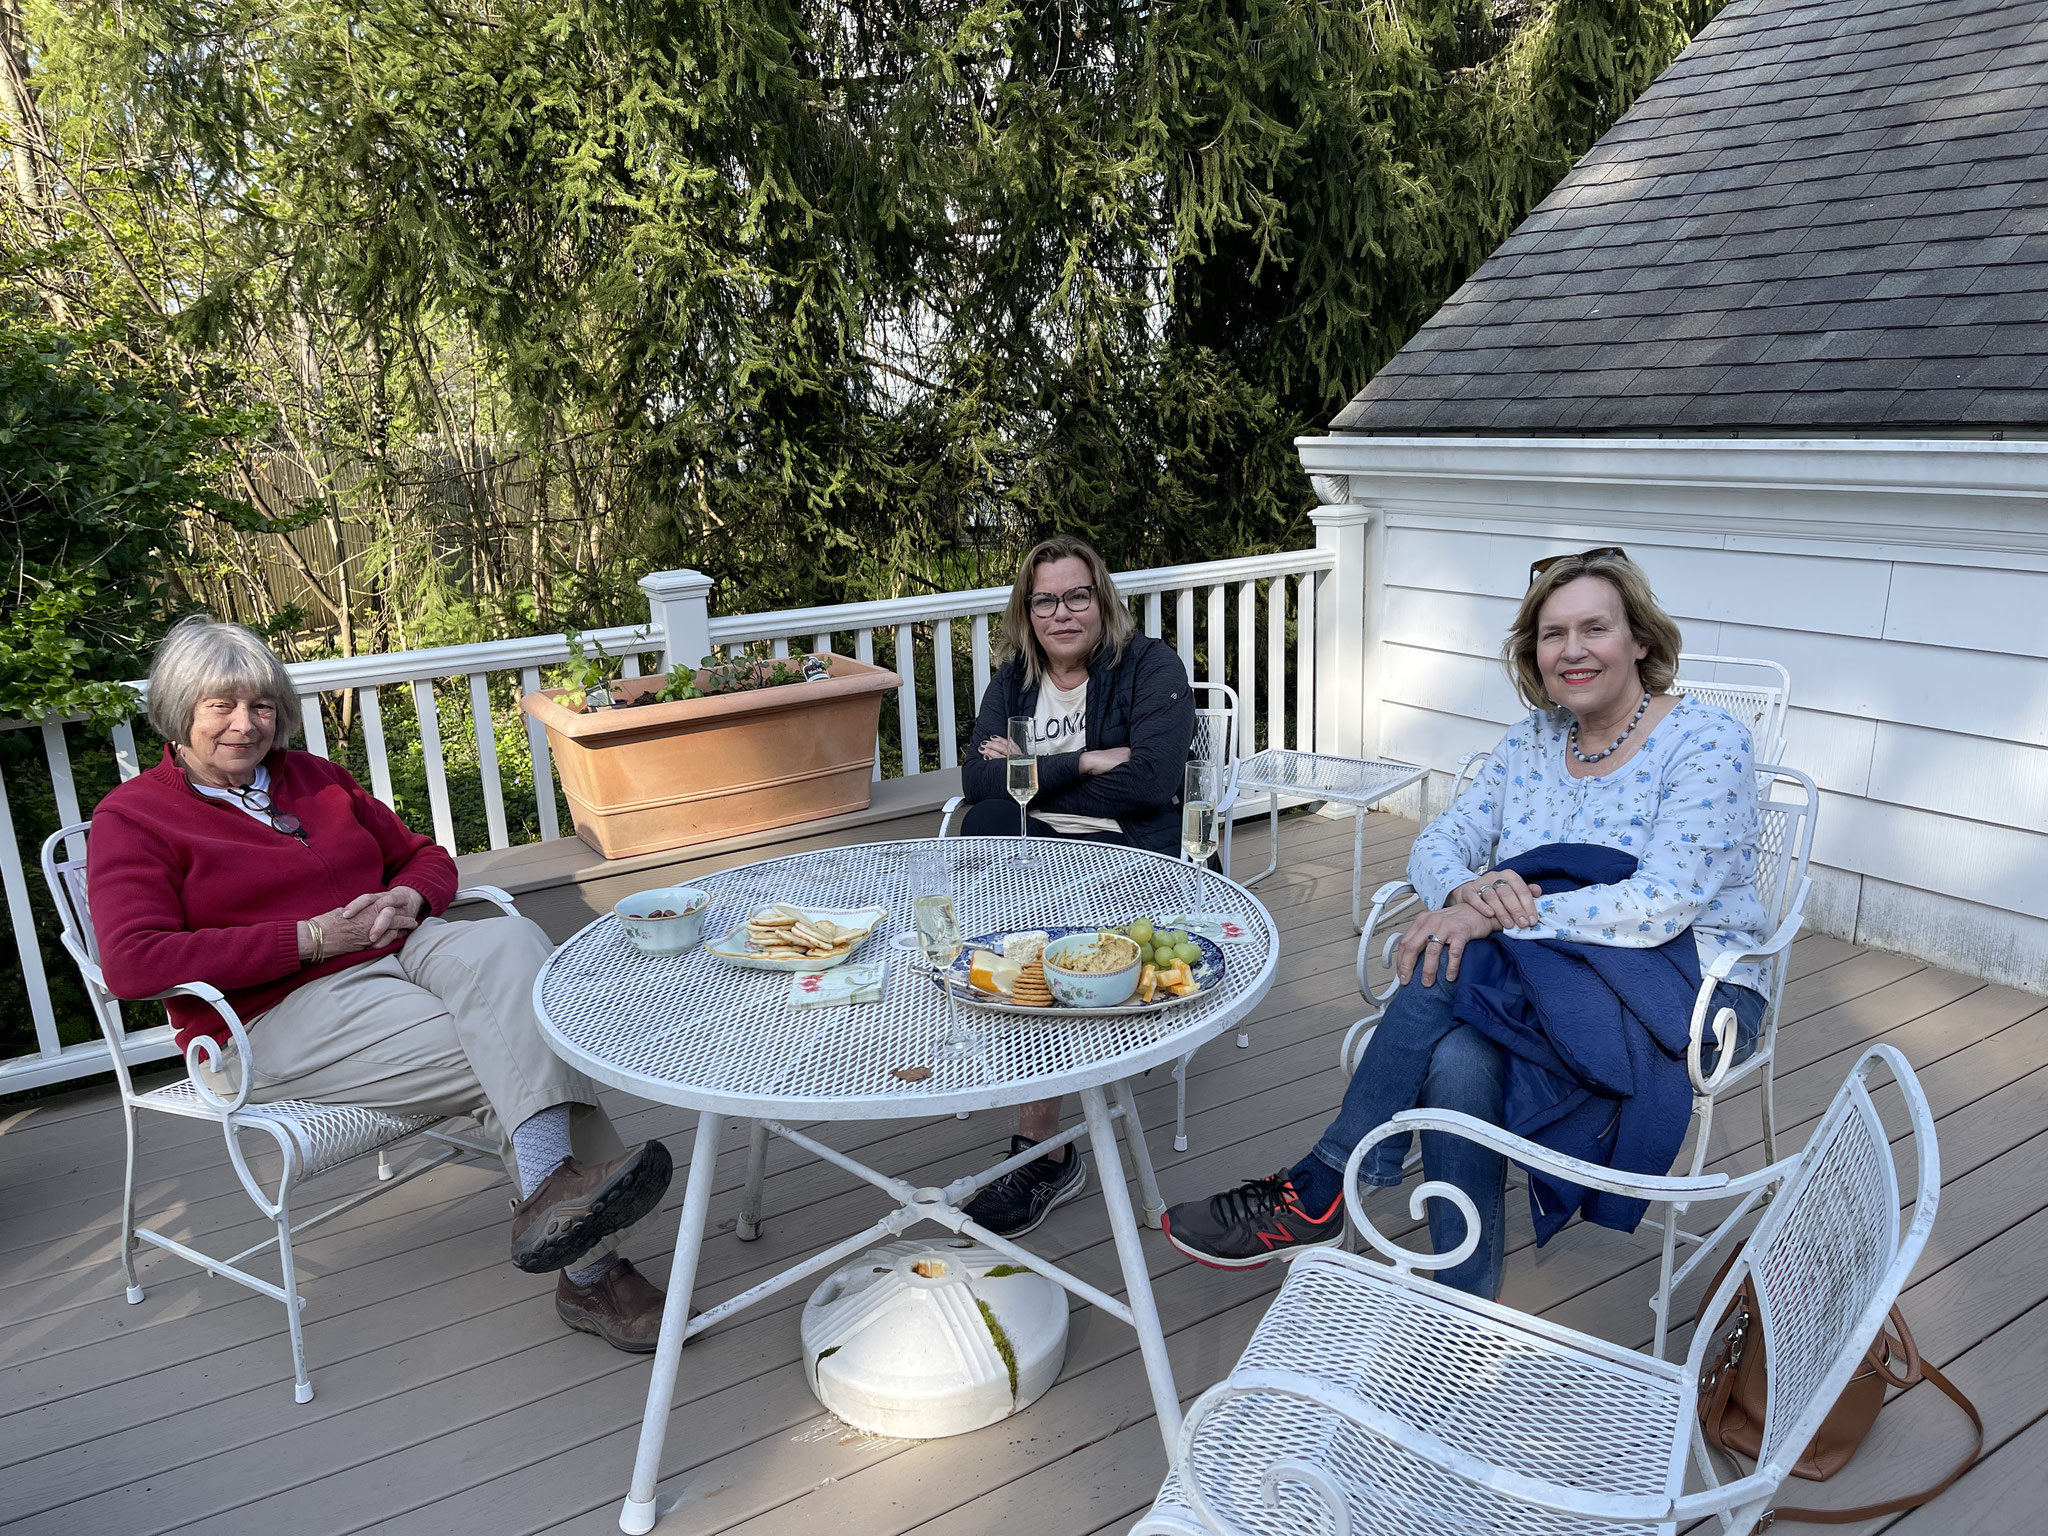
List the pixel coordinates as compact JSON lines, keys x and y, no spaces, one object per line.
{"x":27,"y":144}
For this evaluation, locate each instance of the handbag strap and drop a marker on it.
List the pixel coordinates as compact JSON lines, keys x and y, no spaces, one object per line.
{"x":1904,"y":1501}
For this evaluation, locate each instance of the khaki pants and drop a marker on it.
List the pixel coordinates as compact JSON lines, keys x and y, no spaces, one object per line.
{"x":445,"y":1026}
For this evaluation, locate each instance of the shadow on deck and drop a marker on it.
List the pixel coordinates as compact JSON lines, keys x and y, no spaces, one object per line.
{"x":452,"y":1400}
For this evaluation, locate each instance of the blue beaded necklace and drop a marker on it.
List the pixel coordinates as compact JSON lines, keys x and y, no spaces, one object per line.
{"x":1572,"y":739}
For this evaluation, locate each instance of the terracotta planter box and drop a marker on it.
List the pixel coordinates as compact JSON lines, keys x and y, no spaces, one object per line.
{"x":657,"y":776}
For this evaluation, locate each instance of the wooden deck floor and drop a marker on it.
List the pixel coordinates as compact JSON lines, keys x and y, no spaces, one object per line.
{"x":451,"y":1400}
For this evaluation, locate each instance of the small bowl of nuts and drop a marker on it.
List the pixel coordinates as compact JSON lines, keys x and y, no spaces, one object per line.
{"x":665,"y":921}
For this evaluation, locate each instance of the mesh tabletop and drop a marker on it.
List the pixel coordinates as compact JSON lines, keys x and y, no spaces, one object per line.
{"x":1354,"y":780}
{"x":695,"y":1031}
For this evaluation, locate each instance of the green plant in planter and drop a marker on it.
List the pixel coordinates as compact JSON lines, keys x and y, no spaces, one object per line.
{"x":739,"y":673}
{"x":681,"y":684}
{"x":584,"y":672}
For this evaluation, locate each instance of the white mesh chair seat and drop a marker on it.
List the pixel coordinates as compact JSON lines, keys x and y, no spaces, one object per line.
{"x":325,"y":1135}
{"x":1553,"y":1405}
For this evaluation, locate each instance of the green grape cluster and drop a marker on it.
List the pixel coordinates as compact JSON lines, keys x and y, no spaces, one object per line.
{"x":1160,"y":946}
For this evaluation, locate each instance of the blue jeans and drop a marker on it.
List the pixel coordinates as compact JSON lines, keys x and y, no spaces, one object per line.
{"x":1463,"y":1073}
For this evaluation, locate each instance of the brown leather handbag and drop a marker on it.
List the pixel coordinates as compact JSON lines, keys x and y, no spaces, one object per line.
{"x":1734,"y":1393}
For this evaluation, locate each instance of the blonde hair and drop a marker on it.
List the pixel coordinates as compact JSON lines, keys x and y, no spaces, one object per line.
{"x":205,"y":658}
{"x":1648,"y":623}
{"x":1021,"y":640}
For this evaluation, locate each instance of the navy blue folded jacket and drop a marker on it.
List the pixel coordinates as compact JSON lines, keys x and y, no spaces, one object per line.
{"x":1595,"y":1037}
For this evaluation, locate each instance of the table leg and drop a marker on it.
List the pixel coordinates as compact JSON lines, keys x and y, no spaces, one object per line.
{"x":1141,"y":1155}
{"x":638,"y":1514}
{"x":1116,"y":1197}
{"x":749,"y":1225}
{"x":1357,"y":865}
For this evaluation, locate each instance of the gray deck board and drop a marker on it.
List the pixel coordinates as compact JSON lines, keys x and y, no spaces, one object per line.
{"x":450,"y":1399}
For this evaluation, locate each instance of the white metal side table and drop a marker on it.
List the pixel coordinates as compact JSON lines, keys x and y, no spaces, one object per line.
{"x":692,"y":1031}
{"x":1359,"y":782}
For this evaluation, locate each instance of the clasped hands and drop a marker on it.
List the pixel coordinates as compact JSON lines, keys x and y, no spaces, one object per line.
{"x":1494,"y":901}
{"x":1101,"y":760}
{"x":371,"y":921}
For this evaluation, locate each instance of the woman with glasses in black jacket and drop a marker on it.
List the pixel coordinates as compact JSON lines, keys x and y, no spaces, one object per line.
{"x":1111,"y":710}
{"x":1112,"y":717}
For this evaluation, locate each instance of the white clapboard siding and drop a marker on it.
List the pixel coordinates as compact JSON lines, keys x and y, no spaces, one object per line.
{"x":1969,"y":693}
{"x":1995,"y":781}
{"x":1451,"y":681}
{"x":1411,"y":735}
{"x":1995,"y":866}
{"x":1698,"y":582}
{"x":1448,"y":621}
{"x":1972,"y":608}
{"x":1832,"y":750}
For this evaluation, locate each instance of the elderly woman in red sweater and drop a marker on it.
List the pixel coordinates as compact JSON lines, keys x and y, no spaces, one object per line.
{"x":271,"y":874}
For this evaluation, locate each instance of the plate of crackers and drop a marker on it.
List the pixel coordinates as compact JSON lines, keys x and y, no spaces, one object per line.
{"x":783,"y":936}
{"x":1004,"y":973}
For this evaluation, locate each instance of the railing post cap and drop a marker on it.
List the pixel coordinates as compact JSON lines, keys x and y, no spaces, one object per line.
{"x":1340,"y":517}
{"x":674,"y":584}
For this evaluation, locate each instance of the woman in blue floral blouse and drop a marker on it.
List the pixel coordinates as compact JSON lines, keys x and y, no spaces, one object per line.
{"x":1607,"y":756}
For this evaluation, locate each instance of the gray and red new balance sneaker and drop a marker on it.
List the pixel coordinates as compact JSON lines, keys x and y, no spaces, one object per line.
{"x":1243,"y":1228}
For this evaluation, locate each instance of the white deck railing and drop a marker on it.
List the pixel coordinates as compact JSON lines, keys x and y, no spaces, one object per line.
{"x":451,"y":688}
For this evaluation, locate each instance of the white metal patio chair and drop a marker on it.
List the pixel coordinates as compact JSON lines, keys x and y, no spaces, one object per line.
{"x":1372,"y":1401}
{"x":1759,"y":697}
{"x":310,"y":1139}
{"x":1784,"y":845}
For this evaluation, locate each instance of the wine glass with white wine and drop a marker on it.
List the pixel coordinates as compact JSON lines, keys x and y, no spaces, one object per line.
{"x":1021,"y":777}
{"x":1200,"y":828}
{"x":935,"y":924}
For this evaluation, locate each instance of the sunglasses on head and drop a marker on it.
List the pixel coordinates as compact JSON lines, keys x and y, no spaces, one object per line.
{"x":1604,"y":552}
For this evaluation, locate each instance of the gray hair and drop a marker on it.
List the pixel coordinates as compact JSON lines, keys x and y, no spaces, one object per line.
{"x":204,"y":658}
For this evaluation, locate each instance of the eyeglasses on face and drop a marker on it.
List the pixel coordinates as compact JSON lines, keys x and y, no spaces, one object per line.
{"x":1604,"y":552}
{"x":1075,"y":600}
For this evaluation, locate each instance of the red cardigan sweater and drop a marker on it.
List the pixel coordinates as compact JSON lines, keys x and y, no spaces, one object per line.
{"x":188,"y":888}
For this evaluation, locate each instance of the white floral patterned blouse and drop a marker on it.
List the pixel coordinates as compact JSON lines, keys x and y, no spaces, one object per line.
{"x":1685,"y":805}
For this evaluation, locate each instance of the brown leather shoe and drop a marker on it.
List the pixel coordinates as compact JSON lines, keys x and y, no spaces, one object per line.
{"x":621,"y":1306}
{"x":579,"y":1203}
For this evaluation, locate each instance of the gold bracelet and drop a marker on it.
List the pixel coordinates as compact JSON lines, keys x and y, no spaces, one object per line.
{"x":319,"y":943}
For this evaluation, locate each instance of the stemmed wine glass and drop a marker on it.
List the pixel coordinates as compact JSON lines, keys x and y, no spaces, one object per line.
{"x":1022,"y":780}
{"x":936,"y":926}
{"x":1200,"y":831}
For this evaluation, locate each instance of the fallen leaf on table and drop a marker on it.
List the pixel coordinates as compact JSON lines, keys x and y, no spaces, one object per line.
{"x":911,"y":1074}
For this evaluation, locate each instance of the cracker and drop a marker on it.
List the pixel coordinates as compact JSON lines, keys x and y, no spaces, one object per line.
{"x":1029,"y":989}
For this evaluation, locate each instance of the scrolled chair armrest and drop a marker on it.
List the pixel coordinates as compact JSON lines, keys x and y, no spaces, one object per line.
{"x":204,"y":1052}
{"x":1620,"y":1509}
{"x":1393,"y":899}
{"x":495,"y":895}
{"x":1718,"y":971}
{"x":1537,"y":1159}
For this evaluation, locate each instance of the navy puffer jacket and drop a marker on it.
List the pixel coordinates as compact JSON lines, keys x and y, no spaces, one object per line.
{"x":1142,"y":702}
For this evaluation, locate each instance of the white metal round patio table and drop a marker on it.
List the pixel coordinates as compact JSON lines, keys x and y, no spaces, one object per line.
{"x":694,"y":1031}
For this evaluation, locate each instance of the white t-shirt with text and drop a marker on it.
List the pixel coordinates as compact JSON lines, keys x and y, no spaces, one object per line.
{"x":1060,"y":724}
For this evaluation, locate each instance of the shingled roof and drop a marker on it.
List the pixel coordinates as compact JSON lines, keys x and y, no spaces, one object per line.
{"x":1827,"y":216}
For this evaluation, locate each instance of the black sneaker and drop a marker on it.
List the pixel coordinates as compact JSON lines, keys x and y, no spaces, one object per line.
{"x":1024,"y":1197}
{"x":1244,"y":1227}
